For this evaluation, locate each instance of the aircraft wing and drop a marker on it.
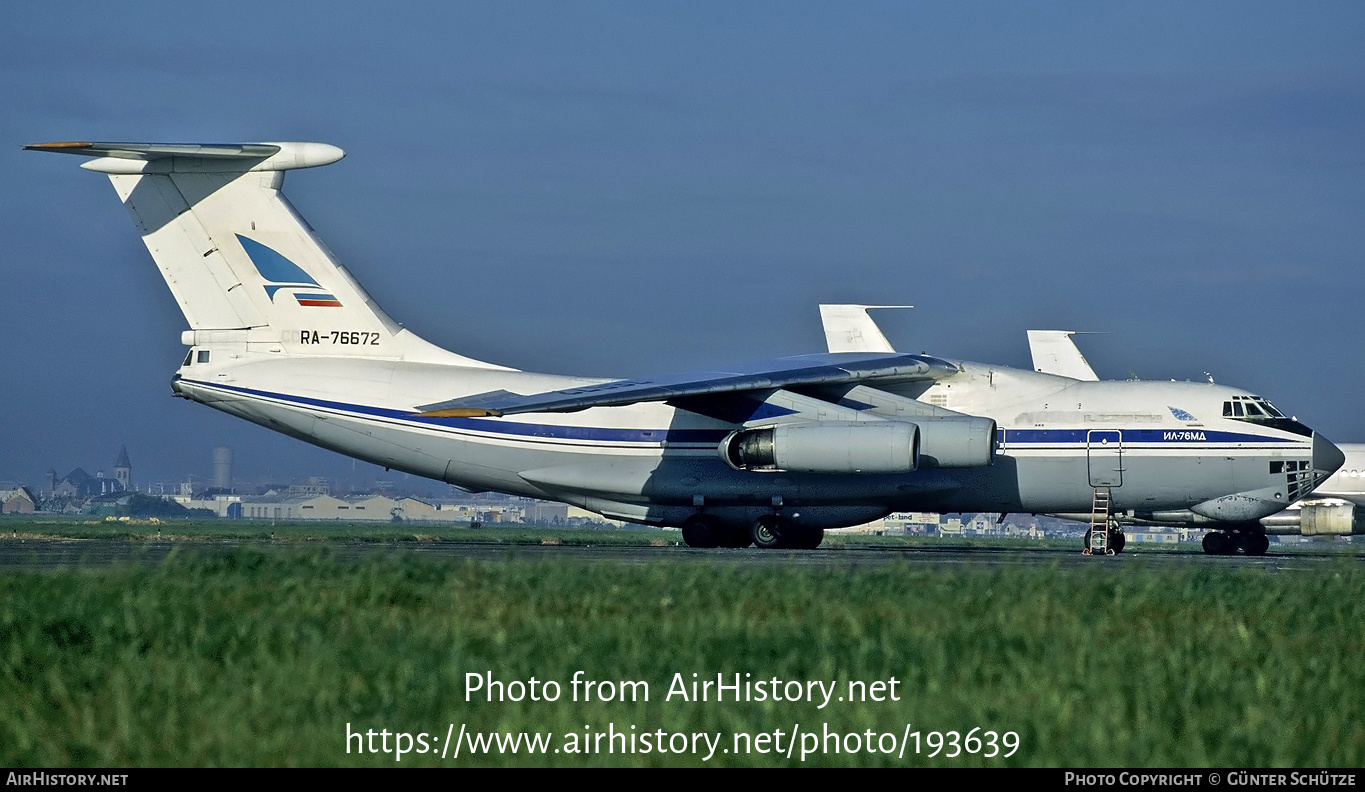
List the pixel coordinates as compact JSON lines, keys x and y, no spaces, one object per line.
{"x":802,"y":370}
{"x":1054,"y":352}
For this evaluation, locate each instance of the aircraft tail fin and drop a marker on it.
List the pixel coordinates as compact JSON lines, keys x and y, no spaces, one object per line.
{"x":242,"y":264}
{"x":1054,"y":352}
{"x":849,"y":328}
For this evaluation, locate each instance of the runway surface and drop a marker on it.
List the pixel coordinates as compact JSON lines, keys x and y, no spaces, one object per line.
{"x":56,"y":554}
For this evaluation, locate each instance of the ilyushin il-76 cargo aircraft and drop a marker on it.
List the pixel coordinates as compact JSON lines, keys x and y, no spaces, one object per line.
{"x":770,"y":454}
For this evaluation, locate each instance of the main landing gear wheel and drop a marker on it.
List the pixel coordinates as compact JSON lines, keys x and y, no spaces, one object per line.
{"x":735,"y":536}
{"x":1219,"y":543}
{"x":701,"y":531}
{"x":1253,"y":544}
{"x":803,"y":538}
{"x":767,"y":532}
{"x":1117,"y":540}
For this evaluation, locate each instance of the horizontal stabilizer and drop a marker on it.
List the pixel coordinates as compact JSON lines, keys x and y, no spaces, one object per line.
{"x":820,"y":369}
{"x":131,"y":158}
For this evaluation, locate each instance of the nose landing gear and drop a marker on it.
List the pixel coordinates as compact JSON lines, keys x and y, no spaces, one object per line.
{"x":1113,"y":542}
{"x":1104,"y":537}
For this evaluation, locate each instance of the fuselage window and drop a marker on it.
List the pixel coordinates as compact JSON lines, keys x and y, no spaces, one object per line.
{"x":204,"y":358}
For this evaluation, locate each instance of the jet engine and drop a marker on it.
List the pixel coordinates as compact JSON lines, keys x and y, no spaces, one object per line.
{"x":1315,"y":519}
{"x":956,"y":441}
{"x":825,"y":447}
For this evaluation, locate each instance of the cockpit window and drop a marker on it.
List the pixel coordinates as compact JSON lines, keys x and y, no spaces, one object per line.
{"x":189,"y":358}
{"x":1254,"y":409}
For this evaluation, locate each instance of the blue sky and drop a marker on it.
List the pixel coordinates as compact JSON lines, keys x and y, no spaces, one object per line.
{"x":627,"y":188}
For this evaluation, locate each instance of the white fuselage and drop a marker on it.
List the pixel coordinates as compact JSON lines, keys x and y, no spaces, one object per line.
{"x":1058,"y":440}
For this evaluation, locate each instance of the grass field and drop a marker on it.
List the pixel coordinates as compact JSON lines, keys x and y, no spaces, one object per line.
{"x":264,"y":657}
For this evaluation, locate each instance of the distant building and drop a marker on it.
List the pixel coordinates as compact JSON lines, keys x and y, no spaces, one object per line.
{"x":581,"y":516}
{"x":315,"y":486}
{"x":123,"y":470}
{"x":17,"y":501}
{"x":546,"y":513}
{"x":221,"y":504}
{"x":369,"y":508}
{"x":79,"y":484}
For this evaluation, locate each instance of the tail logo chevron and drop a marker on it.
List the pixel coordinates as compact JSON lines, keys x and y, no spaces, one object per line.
{"x":280,"y":273}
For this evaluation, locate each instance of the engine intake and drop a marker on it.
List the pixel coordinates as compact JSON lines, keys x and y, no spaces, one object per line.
{"x":821,"y":447}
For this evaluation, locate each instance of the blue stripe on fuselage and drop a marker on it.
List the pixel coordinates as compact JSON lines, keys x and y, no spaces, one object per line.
{"x":1135,"y":436}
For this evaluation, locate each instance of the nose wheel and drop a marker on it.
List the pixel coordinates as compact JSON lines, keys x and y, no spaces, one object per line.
{"x":1113,"y":542}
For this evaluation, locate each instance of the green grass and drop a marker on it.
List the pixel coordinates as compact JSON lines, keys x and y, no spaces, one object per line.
{"x":263,"y":657}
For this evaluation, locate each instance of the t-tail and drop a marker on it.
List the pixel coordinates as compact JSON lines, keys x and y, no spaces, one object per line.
{"x":245,"y":268}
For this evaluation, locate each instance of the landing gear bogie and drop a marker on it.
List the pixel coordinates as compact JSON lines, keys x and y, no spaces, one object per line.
{"x":768,"y":532}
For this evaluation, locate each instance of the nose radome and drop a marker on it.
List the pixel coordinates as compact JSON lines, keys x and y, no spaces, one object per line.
{"x":1326,"y":456}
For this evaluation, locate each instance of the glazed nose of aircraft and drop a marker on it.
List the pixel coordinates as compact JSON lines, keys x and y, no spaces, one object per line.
{"x":1326,"y":456}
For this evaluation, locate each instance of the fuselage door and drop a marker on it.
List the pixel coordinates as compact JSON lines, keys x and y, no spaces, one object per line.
{"x":1104,"y":455}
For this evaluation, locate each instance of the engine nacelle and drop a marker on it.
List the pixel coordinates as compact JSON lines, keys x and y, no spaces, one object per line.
{"x":819,"y":447}
{"x":964,"y":441}
{"x":1315,"y":519}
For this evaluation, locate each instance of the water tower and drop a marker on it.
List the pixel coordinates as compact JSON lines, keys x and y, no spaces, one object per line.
{"x":222,"y":467}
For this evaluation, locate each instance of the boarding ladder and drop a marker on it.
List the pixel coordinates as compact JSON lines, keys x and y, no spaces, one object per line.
{"x":1101,"y":508}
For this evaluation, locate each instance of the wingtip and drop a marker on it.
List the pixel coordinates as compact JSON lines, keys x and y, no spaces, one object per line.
{"x":61,"y":145}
